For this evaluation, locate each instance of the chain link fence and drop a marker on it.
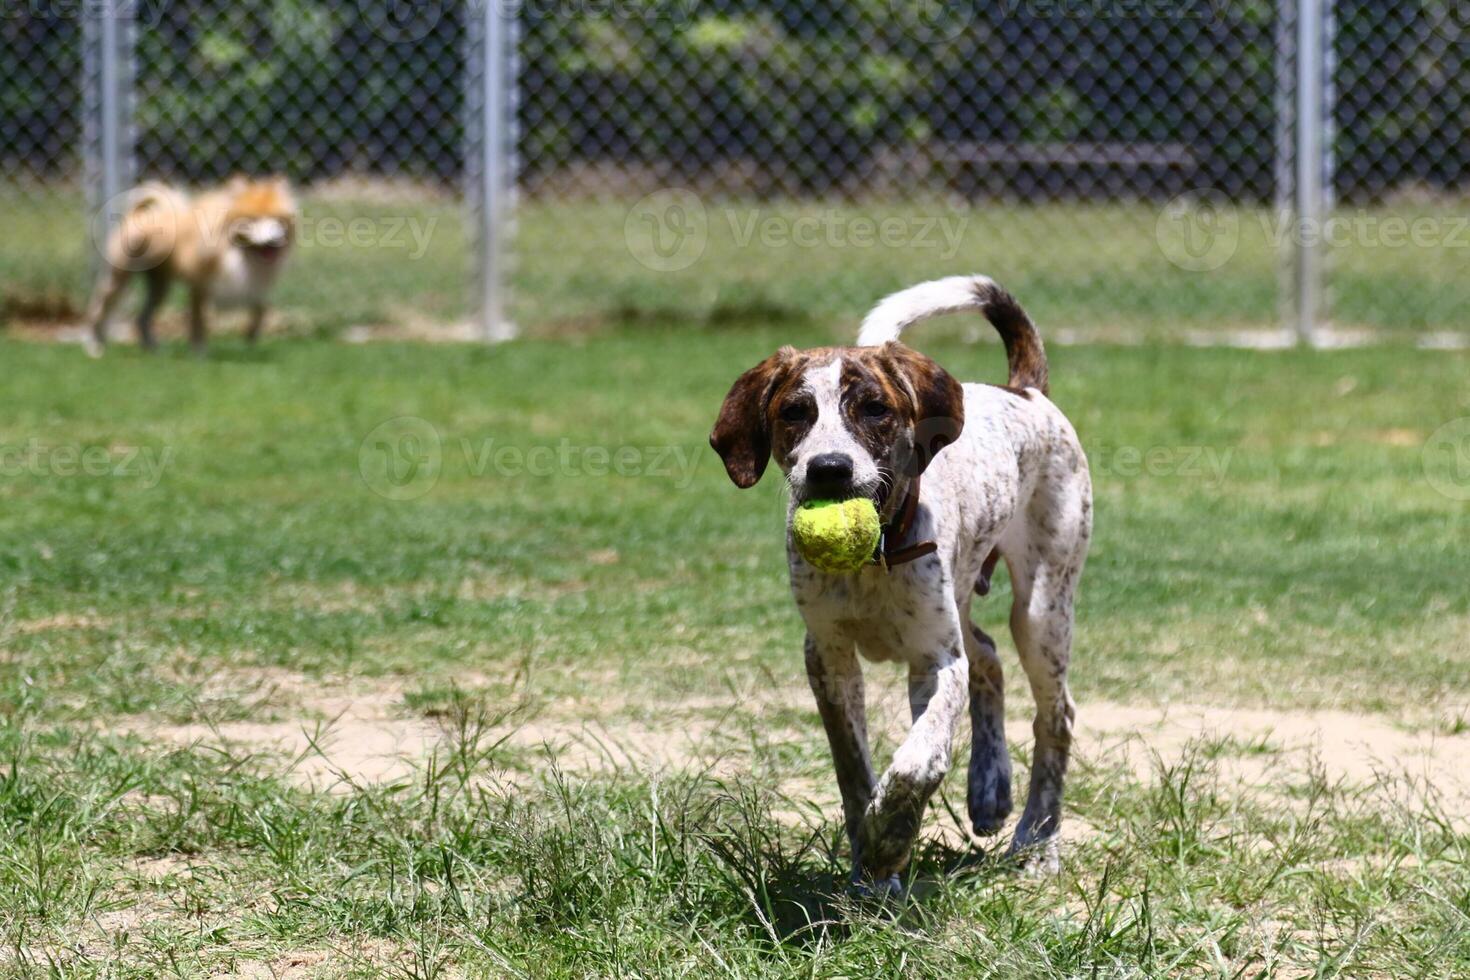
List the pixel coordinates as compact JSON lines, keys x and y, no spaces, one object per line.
{"x":1127,"y":167}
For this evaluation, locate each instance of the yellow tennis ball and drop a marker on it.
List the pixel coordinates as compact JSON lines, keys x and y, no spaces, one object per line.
{"x":836,"y":535}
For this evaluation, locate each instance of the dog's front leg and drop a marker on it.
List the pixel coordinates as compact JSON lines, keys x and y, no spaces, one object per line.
{"x":837,"y":684}
{"x":257,"y":321}
{"x":198,"y":309}
{"x":937,"y":695}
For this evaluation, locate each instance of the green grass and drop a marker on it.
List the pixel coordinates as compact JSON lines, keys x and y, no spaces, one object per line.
{"x":227,"y":559}
{"x":580,"y":265}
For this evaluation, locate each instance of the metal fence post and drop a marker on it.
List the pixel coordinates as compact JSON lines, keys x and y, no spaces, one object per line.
{"x":1283,"y":175}
{"x":489,"y":154}
{"x":1313,"y":161}
{"x":107,"y":68}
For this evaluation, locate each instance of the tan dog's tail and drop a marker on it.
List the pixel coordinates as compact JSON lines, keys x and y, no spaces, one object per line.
{"x":151,"y":226}
{"x":1024,"y":352}
{"x":156,"y":195}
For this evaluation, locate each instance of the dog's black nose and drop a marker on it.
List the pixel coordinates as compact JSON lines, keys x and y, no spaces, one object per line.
{"x":829,"y":471}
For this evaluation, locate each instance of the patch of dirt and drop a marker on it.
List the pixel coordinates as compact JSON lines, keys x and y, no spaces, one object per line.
{"x":368,"y":735}
{"x":355,"y":956}
{"x":61,"y":621}
{"x":287,"y":966}
{"x":1405,"y":438}
{"x":1358,"y":749}
{"x":346,"y":596}
{"x":408,"y":327}
{"x":68,"y":327}
{"x":59,"y":321}
{"x":360,"y":735}
{"x":159,"y":868}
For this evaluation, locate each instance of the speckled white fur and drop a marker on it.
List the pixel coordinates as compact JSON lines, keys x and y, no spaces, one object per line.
{"x":1017,"y":479}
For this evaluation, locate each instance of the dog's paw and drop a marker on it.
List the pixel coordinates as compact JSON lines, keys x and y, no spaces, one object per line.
{"x":989,"y":804}
{"x":879,"y":889}
{"x":886,"y":852}
{"x":1038,"y":860}
{"x":890,"y":826}
{"x":1036,"y":857}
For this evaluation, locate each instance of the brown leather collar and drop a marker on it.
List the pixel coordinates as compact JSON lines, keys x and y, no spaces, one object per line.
{"x":888,"y":553}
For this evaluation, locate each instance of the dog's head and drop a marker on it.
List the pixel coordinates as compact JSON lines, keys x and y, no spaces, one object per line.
{"x":262,"y":217}
{"x":840,"y":421}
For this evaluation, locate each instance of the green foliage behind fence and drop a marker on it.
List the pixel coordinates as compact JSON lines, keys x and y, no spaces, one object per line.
{"x":809,"y":97}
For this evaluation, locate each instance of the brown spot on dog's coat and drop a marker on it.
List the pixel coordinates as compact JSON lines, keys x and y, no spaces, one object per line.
{"x":742,"y":433}
{"x":938,"y":401}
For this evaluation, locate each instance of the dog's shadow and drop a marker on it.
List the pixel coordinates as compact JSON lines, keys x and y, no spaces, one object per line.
{"x":801,"y":894}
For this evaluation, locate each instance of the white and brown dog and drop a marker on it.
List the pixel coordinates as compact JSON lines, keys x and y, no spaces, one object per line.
{"x":1011,"y":481}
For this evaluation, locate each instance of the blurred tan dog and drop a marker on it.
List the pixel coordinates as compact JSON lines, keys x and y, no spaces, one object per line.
{"x":228,"y":245}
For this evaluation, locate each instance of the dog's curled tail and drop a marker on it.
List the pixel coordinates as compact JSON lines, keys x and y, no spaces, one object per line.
{"x":155,"y":195}
{"x":1024,"y":352}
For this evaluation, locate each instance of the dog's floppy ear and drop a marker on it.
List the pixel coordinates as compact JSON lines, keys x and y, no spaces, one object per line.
{"x":938,"y":400}
{"x":742,"y":433}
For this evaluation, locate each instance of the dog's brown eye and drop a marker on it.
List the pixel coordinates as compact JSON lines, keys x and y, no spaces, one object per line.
{"x":793,"y":412}
{"x":874,"y":409}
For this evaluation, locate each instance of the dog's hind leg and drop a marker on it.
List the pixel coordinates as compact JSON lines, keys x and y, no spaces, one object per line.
{"x":1044,"y":585}
{"x":111,"y":286}
{"x":989,"y":794}
{"x":198,"y":307}
{"x":156,"y":283}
